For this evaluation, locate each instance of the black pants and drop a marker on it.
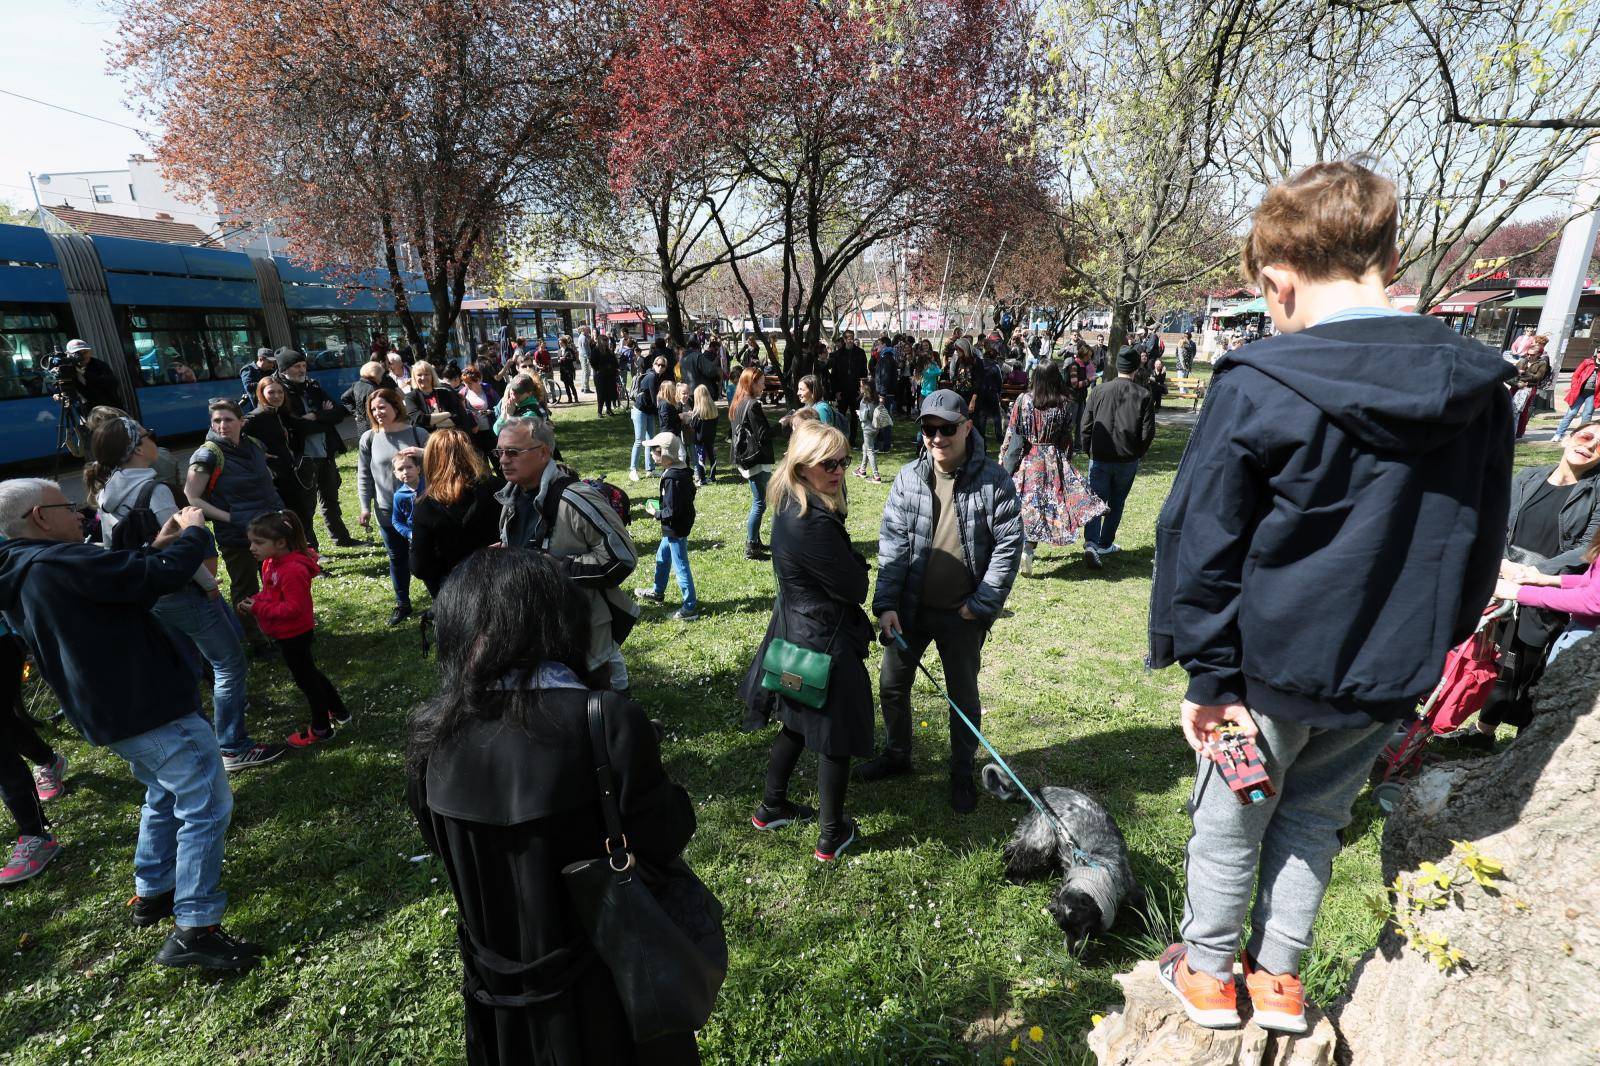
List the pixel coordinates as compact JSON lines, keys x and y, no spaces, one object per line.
{"x":313,"y":683}
{"x":244,"y":580}
{"x":18,"y":739}
{"x":323,"y":474}
{"x":960,"y":645}
{"x":298,"y":498}
{"x":833,"y":775}
{"x":570,"y":383}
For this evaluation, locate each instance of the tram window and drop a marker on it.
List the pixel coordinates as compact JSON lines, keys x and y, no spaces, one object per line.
{"x":27,"y":336}
{"x":179,"y":347}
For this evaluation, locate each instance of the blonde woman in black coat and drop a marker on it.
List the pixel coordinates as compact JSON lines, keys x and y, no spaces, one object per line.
{"x":822,"y":582}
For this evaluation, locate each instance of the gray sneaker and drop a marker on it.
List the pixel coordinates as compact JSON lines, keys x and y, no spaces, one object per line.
{"x":684,"y":614}
{"x":255,"y":755}
{"x":649,"y":594}
{"x":30,"y":856}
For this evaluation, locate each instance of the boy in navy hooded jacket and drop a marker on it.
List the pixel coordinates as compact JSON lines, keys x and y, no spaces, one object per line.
{"x":1335,"y":528}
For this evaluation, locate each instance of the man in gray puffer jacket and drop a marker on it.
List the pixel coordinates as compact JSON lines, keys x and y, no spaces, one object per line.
{"x":948,"y":552}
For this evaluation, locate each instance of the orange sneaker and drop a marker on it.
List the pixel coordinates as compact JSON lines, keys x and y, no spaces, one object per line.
{"x":1207,"y":1001}
{"x":1279,"y":999}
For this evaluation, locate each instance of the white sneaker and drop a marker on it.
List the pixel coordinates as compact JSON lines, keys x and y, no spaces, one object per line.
{"x":633,"y":475}
{"x":1114,"y":549}
{"x":1027,"y":564}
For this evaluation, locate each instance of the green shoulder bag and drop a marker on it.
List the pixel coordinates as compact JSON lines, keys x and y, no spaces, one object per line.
{"x":797,"y":673}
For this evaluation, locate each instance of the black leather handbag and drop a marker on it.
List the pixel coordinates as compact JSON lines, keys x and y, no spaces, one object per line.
{"x":659,"y":931}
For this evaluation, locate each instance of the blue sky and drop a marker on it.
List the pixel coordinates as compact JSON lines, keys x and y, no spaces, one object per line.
{"x":55,"y":50}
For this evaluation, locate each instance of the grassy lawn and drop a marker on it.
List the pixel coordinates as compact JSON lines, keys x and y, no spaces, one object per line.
{"x":888,"y":957}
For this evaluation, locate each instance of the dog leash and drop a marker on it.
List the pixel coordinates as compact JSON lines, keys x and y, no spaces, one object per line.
{"x":1078,"y":854}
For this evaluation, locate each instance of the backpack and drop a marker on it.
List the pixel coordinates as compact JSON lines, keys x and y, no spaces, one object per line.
{"x":613,"y":495}
{"x":641,"y":395}
{"x":137,"y":526}
{"x":622,"y":621}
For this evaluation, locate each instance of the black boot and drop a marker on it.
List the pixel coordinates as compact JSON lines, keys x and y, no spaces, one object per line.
{"x":887,"y":764}
{"x":755,"y":550}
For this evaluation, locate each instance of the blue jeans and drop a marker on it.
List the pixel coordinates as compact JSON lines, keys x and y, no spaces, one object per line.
{"x":187,"y":807}
{"x":674,"y":551}
{"x":202,"y":621}
{"x":644,"y":427}
{"x":758,"y":506}
{"x":1578,"y":412}
{"x":1111,"y":482}
{"x":399,"y":549}
{"x":1567,"y":639}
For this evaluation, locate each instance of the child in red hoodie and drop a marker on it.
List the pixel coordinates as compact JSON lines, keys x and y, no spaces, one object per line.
{"x":283,"y":610}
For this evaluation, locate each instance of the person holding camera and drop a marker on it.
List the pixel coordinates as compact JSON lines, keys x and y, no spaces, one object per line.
{"x":87,"y":379}
{"x":85,"y":613}
{"x":1333,"y":531}
{"x":948,"y":552}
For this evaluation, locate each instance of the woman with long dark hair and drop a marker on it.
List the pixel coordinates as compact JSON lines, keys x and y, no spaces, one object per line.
{"x":822,"y":582}
{"x":270,"y":423}
{"x":751,"y":444}
{"x":457,"y":513}
{"x":501,"y":780}
{"x":1055,"y":499}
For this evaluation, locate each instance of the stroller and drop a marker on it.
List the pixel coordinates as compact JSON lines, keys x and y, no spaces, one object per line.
{"x":1470,"y":672}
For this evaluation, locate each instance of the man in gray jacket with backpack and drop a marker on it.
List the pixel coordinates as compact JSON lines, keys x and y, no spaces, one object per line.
{"x":948,"y":551}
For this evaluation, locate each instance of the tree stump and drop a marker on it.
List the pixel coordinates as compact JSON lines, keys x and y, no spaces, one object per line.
{"x":1152,"y":1030}
{"x":1525,"y":983}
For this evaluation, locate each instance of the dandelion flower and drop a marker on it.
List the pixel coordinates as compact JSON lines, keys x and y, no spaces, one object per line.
{"x":1016,"y":1043}
{"x":1036,"y":1034}
{"x":1096,"y":1019}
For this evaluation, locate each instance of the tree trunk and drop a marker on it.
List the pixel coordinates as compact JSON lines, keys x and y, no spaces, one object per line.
{"x":1528,"y":976}
{"x":1151,"y":1030}
{"x":674,"y":299}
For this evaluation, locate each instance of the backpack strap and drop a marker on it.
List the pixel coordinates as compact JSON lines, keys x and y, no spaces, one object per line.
{"x":216,"y":472}
{"x":616,"y":840}
{"x":142,"y":497}
{"x":552,"y":503}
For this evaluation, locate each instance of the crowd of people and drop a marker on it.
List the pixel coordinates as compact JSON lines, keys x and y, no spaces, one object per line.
{"x":1304,"y":616}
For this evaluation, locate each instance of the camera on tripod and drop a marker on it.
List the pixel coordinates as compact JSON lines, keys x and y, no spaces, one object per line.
{"x":58,"y":368}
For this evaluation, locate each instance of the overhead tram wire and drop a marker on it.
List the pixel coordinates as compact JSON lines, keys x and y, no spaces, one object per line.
{"x":72,"y":111}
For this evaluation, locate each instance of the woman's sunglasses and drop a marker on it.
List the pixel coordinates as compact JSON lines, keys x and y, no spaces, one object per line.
{"x":833,"y":466}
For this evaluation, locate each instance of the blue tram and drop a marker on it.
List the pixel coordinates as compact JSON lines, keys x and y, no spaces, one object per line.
{"x":175,"y":323}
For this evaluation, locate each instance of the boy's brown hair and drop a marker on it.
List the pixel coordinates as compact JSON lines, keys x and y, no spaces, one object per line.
{"x":1329,"y":222}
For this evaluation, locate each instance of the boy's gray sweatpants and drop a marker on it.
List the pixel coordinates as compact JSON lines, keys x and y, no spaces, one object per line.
{"x":1291,"y":838}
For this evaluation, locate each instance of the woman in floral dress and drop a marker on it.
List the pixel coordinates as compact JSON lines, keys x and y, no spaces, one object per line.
{"x":1056,"y":500}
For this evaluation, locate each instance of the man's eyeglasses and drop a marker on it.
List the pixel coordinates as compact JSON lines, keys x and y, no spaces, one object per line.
{"x":511,"y":453}
{"x":47,"y":506}
{"x":939,"y":429}
{"x":833,"y":466}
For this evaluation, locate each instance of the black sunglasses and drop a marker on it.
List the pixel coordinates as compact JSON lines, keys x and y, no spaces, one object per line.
{"x":939,"y":429}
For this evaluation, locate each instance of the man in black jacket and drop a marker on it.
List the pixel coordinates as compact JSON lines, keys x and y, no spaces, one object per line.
{"x":93,"y":380}
{"x":317,"y":419}
{"x":1334,"y":529}
{"x":85,"y":614}
{"x":1118,"y":424}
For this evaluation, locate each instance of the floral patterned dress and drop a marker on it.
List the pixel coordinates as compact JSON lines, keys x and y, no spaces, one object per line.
{"x":1056,"y":501}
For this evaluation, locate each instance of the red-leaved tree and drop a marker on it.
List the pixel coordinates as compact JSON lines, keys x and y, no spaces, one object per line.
{"x":367,"y":129}
{"x":849,"y":124}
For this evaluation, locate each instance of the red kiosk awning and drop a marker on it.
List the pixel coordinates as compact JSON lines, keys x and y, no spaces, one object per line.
{"x":1465,"y":303}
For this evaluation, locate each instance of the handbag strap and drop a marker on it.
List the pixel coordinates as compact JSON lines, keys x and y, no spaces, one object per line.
{"x":616,"y":840}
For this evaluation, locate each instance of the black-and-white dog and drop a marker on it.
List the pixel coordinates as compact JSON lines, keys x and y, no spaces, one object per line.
{"x":1096,"y":879}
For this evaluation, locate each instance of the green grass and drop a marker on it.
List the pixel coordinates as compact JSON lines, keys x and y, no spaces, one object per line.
{"x":887,"y":957}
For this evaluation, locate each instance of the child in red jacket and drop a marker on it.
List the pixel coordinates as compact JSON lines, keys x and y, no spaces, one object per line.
{"x":283,"y":611}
